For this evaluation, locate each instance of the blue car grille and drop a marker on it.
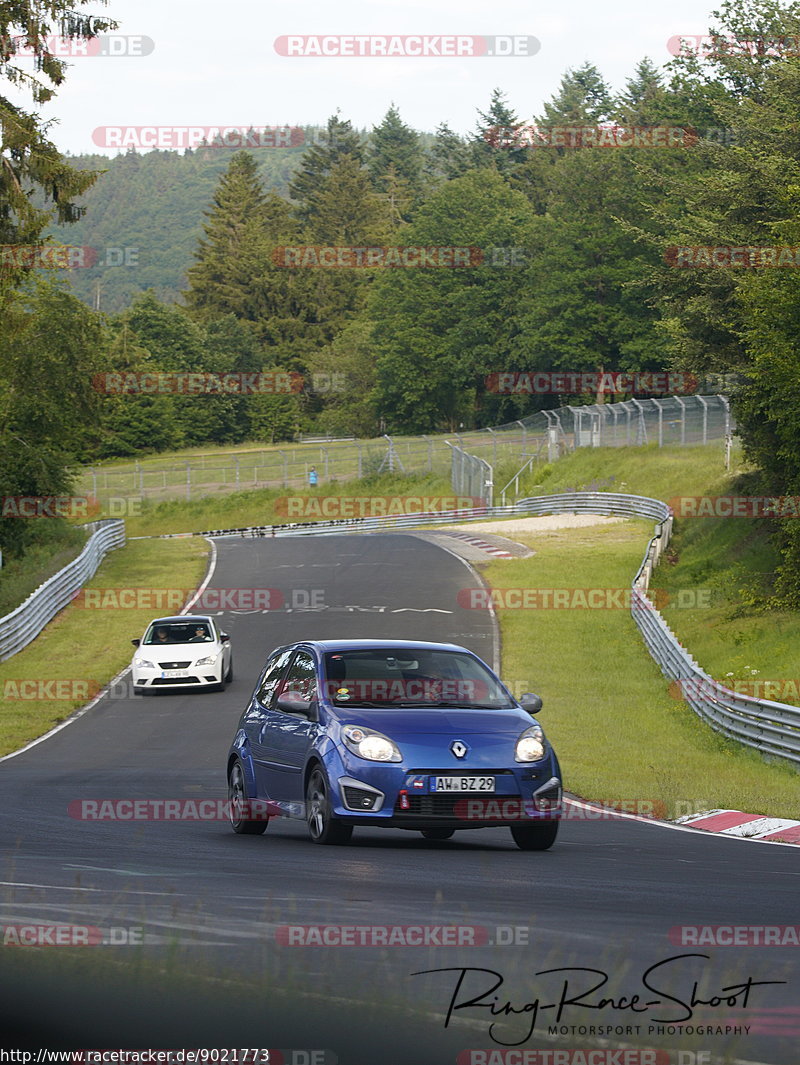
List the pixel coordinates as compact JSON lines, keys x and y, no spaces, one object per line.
{"x":445,"y":805}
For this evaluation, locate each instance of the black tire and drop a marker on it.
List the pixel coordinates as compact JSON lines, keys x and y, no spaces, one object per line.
{"x":323,"y":827}
{"x":237,"y":793}
{"x":437,"y":833}
{"x":535,"y":837}
{"x":229,"y":674}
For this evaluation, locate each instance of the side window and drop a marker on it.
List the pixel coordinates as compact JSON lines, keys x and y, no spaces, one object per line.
{"x":302,"y":676}
{"x":274,"y":672}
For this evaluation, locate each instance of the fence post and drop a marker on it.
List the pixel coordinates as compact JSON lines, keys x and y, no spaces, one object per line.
{"x":660,"y":422}
{"x":705,"y":418}
{"x":521,"y":424}
{"x":682,"y":406}
{"x":494,"y":445}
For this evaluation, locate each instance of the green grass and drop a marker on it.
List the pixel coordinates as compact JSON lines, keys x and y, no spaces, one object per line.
{"x":662,"y":473}
{"x":89,"y":647}
{"x":58,"y":544}
{"x":263,"y":506}
{"x":619,"y":733}
{"x":739,"y":635}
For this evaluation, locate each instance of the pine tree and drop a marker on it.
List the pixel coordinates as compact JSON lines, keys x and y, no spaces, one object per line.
{"x":496,"y":139}
{"x":337,"y":141}
{"x":639,"y":102}
{"x":395,"y":149}
{"x":583,"y":98}
{"x":449,"y":156}
{"x":218,"y":281}
{"x":346,"y":210}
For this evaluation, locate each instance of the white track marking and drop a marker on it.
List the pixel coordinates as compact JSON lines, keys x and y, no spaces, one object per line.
{"x":101,"y":695}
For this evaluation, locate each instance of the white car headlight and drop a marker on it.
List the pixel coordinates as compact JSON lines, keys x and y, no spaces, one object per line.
{"x":208,"y":661}
{"x":373,"y":746}
{"x":143,"y":663}
{"x":530,"y":745}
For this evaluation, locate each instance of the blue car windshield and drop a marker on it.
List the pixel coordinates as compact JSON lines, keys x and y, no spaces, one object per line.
{"x":395,"y":676}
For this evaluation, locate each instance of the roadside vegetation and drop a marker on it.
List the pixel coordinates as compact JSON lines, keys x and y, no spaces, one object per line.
{"x":621,"y":733}
{"x":82,"y":649}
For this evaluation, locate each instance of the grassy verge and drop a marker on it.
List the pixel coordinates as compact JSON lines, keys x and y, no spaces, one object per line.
{"x":620,"y":734}
{"x":734,"y":629}
{"x":268,"y":506}
{"x":648,"y":471}
{"x":84,"y":649}
{"x":58,"y":544}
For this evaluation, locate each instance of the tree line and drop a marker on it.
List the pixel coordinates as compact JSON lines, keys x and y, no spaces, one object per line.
{"x":587,"y":262}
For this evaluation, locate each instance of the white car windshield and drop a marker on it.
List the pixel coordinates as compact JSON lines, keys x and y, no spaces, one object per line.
{"x":169,"y":633}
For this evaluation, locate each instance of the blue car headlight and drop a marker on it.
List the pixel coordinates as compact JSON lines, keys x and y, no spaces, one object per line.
{"x":530,"y":745}
{"x":370,"y":745}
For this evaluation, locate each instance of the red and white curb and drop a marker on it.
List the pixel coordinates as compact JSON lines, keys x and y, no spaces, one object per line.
{"x":746,"y":826}
{"x":475,"y":541}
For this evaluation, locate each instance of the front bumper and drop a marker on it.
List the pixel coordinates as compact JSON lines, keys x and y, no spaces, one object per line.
{"x":196,"y":677}
{"x":396,"y":797}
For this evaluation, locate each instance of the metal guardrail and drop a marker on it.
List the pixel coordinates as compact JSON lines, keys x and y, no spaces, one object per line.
{"x":770,"y":727}
{"x":23,"y":625}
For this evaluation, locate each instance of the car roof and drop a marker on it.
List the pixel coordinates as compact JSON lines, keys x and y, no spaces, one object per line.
{"x":185,"y":619}
{"x":368,"y":645}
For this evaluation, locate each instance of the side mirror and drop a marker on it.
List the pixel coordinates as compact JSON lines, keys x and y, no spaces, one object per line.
{"x":224,"y":636}
{"x":530,"y":702}
{"x":136,"y":643}
{"x":294,"y":703}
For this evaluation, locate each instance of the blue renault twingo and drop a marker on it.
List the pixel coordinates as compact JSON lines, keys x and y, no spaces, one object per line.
{"x":393,"y":734}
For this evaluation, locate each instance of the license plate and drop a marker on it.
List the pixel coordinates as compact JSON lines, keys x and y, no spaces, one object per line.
{"x":462,"y":784}
{"x":175,"y":673}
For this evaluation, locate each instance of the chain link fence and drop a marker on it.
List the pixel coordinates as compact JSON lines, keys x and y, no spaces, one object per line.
{"x":541,"y":437}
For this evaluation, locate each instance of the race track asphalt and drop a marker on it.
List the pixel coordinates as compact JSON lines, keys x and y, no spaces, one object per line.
{"x":210,"y":904}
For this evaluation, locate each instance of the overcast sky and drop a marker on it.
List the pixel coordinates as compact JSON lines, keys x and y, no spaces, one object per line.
{"x":216,"y":64}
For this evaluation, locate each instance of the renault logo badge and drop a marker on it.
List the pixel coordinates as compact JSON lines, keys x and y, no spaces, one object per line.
{"x":459,"y":748}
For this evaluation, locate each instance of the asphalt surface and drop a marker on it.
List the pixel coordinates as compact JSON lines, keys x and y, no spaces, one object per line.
{"x":212,"y":906}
